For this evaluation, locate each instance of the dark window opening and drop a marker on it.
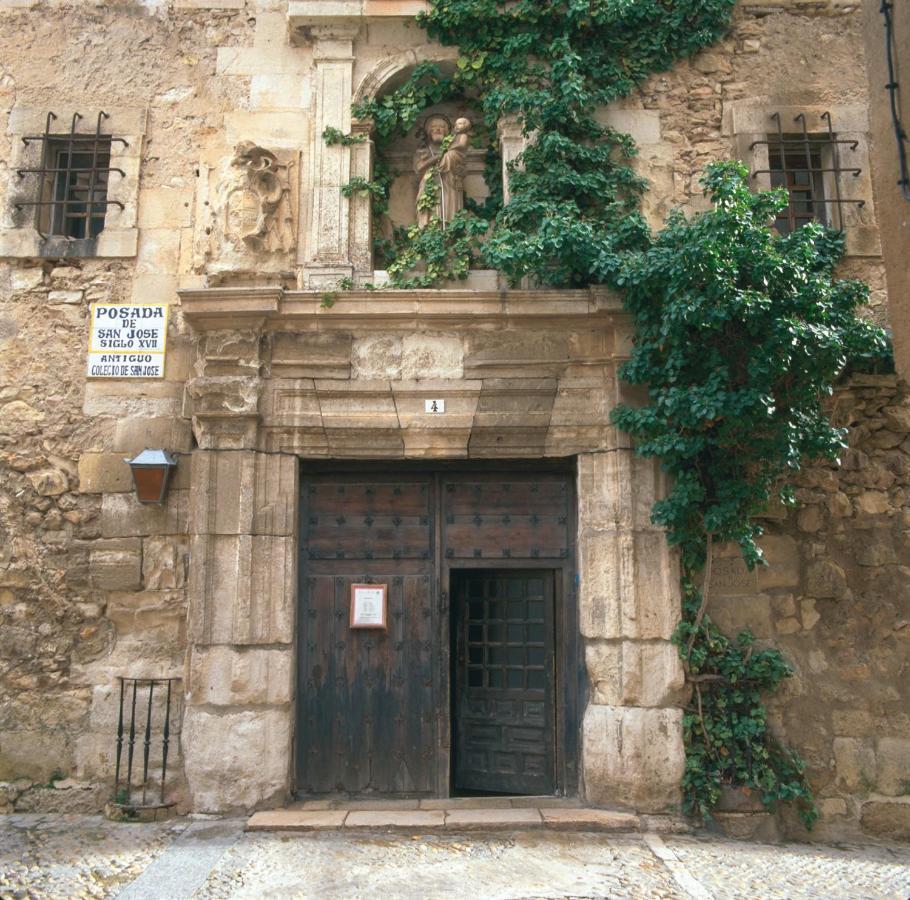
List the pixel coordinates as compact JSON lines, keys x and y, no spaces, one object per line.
{"x":71,"y":181}
{"x":800,"y":172}
{"x":79,"y":191}
{"x":808,"y":165}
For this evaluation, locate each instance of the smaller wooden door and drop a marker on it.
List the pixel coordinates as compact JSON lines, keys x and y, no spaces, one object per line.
{"x":503,"y":716}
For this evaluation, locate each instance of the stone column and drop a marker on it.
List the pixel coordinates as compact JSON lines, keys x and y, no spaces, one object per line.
{"x":360,"y":230}
{"x":237,"y":733}
{"x":511,"y":143}
{"x":327,"y":250}
{"x":629,"y":604}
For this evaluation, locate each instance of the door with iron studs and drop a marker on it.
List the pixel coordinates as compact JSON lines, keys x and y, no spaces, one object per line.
{"x":462,"y":690}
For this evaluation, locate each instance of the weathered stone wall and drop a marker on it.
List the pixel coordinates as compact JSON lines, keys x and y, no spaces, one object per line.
{"x":93,"y":586}
{"x":836,"y":601}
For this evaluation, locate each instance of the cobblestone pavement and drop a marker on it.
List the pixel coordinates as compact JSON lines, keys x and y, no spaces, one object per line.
{"x":58,"y":856}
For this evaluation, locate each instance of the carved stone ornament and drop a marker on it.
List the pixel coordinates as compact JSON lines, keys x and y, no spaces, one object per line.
{"x":259,"y":210}
{"x":247,"y":212}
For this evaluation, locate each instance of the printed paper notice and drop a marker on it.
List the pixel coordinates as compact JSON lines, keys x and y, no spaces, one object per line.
{"x":368,"y":606}
{"x":127,"y":341}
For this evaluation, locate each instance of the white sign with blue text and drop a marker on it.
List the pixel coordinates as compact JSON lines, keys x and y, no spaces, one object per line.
{"x":127,"y":341}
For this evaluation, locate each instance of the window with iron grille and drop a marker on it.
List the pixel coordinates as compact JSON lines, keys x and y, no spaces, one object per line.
{"x":72,"y":180}
{"x":808,"y":165}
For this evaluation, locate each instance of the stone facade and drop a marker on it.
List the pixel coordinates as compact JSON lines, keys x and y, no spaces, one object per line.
{"x":233,"y":212}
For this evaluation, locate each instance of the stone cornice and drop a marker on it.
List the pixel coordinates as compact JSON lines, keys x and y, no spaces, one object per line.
{"x":274,"y":309}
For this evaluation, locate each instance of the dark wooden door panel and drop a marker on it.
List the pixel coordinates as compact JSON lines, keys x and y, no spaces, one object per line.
{"x":504,"y":724}
{"x":367,"y":719}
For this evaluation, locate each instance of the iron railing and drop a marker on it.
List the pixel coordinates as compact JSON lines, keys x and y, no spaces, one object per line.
{"x":78,"y":165}
{"x":804,"y":158}
{"x":148,"y":699}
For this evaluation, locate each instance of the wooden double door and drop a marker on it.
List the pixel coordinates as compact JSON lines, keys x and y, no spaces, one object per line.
{"x":472,"y":685}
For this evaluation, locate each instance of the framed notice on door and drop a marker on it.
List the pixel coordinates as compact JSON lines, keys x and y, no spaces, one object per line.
{"x":369,"y":605}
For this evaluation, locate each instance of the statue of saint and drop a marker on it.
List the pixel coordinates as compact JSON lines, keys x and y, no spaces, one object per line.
{"x":441,"y":190}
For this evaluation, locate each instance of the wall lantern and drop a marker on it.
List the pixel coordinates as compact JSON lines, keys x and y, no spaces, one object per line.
{"x":151,"y":473}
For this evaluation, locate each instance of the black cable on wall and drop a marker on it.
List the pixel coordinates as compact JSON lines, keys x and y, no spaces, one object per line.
{"x":892,"y":86}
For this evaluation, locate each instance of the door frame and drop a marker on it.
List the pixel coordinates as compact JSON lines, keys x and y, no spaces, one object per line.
{"x":570,"y":665}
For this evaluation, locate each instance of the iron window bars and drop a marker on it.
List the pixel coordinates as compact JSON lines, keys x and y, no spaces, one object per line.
{"x":809,"y":167}
{"x":73,"y":176}
{"x":130,"y":732}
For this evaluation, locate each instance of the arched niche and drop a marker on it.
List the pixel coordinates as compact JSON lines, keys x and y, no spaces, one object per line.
{"x":399,"y":156}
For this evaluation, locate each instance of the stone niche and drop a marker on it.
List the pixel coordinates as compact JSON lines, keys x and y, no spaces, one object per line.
{"x":281,"y":380}
{"x":247,"y":213}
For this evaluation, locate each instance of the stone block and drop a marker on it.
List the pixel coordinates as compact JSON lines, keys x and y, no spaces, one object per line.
{"x":237,"y":759}
{"x":873,"y":503}
{"x":320,"y":355}
{"x":393,"y":820}
{"x":357,"y":404}
{"x":633,"y":757}
{"x":735,"y":614}
{"x":164,"y":563}
{"x":225,"y":395}
{"x":242,"y":589}
{"x":208,"y":4}
{"x":65,"y":296}
{"x":515,"y":354}
{"x":297,"y":820}
{"x":155,"y":617}
{"x":273,"y":129}
{"x":886,"y":820}
{"x":118,"y":242}
{"x":279,"y":91}
{"x":893,"y":766}
{"x":26,"y":279}
{"x":104,"y":473}
{"x":483,"y":819}
{"x":163,"y":208}
{"x":133,"y":435}
{"x":825,"y":580}
{"x":243,"y":493}
{"x":49,"y":482}
{"x":632,"y":673}
{"x":618,"y":489}
{"x":589,"y":820}
{"x":222,"y":495}
{"x":291,"y":404}
{"x":228,"y":676}
{"x":629,"y":585}
{"x":854,"y":762}
{"x":427,"y":356}
{"x":122,"y":515}
{"x":34,"y":754}
{"x":373,"y":442}
{"x":155,"y":286}
{"x":116,"y":565}
{"x":376,"y":356}
{"x":131,"y":398}
{"x":782,"y":555}
{"x":642,"y":124}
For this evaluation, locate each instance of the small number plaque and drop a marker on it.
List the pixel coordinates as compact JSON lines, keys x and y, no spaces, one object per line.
{"x":369,"y":605}
{"x":434,"y":407}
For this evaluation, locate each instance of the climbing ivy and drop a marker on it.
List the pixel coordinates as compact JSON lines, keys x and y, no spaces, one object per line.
{"x":739,"y":333}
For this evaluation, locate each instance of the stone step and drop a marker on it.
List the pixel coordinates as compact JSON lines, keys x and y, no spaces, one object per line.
{"x":392,"y":817}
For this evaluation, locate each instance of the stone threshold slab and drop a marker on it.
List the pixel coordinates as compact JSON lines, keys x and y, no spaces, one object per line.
{"x":394,"y":818}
